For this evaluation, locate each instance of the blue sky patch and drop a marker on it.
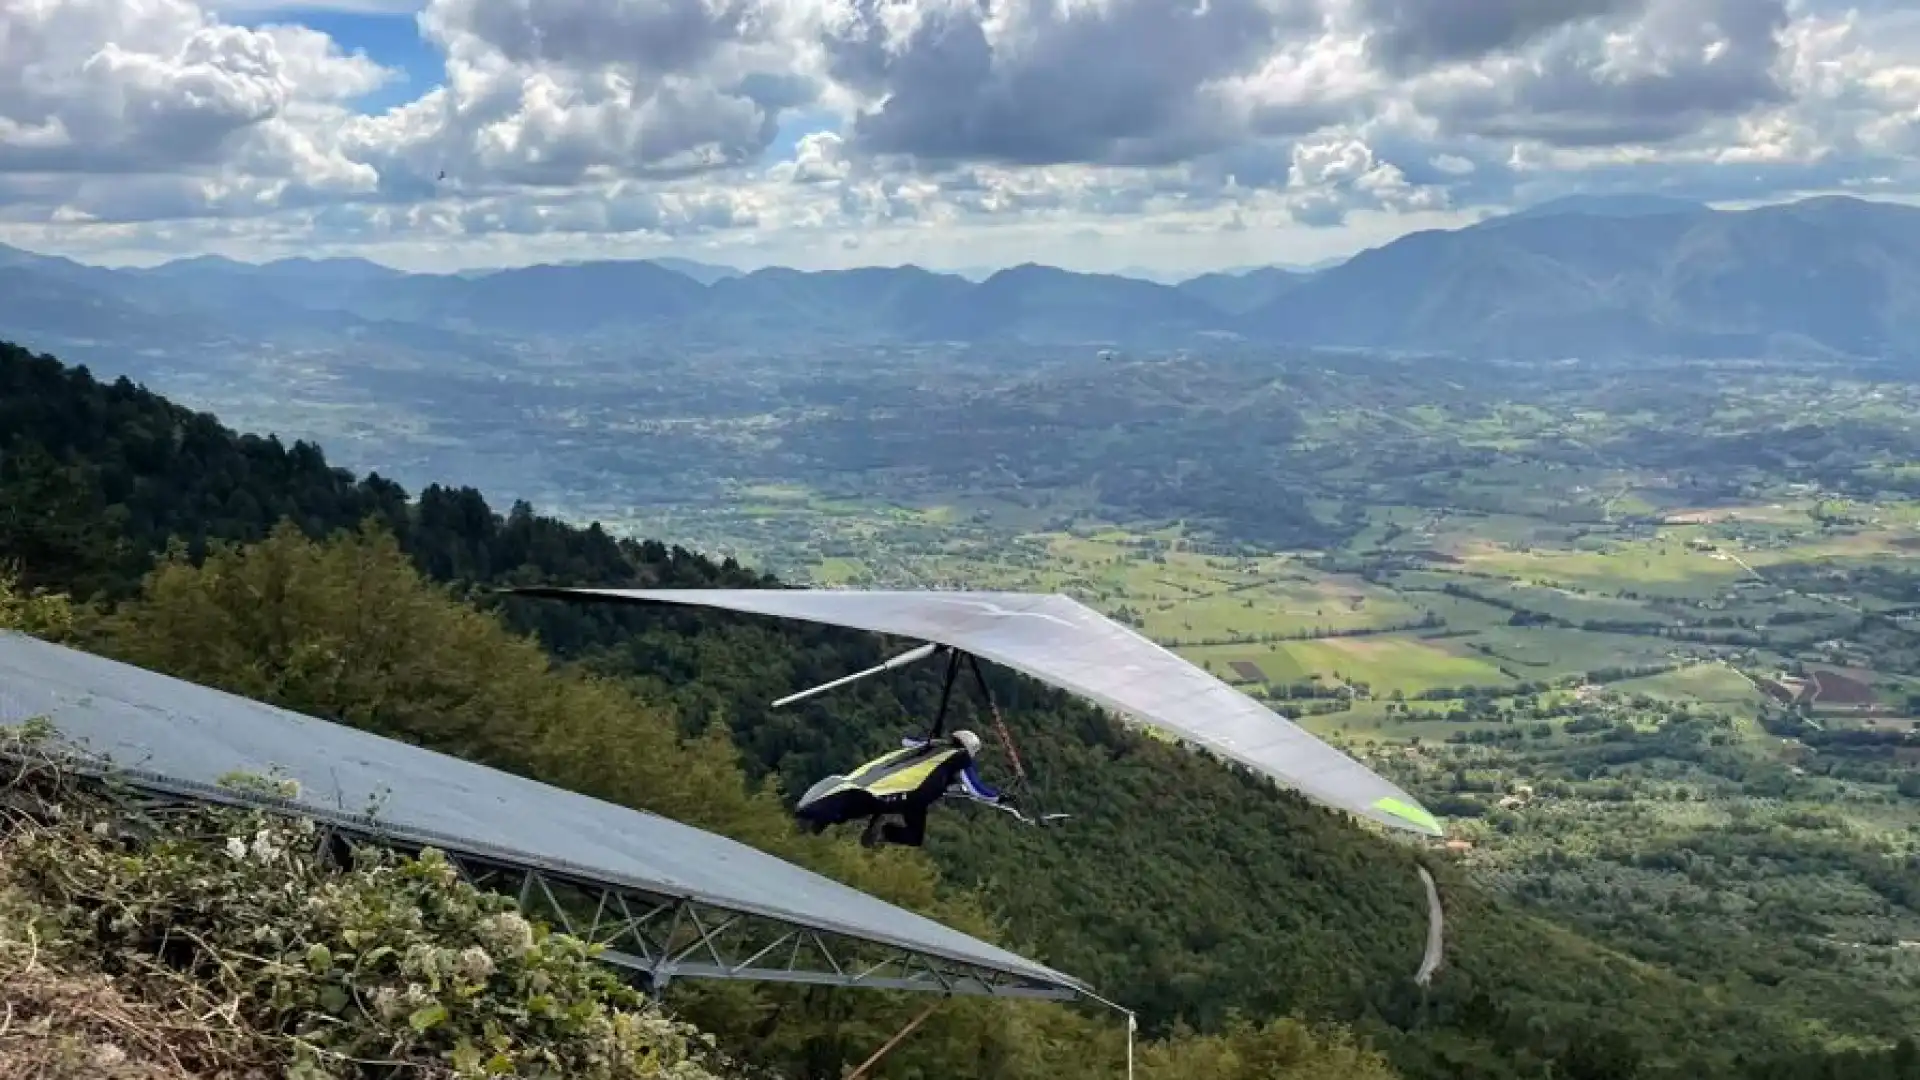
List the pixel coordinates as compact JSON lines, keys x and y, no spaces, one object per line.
{"x":793,"y":127}
{"x":391,"y":40}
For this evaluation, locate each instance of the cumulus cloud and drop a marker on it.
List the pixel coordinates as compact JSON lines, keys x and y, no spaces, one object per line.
{"x":1332,"y":177}
{"x":136,"y":85}
{"x":1407,"y":35}
{"x":676,"y":118}
{"x":1041,"y":82}
{"x":565,"y":92}
{"x":157,"y":111}
{"x":1664,"y":74}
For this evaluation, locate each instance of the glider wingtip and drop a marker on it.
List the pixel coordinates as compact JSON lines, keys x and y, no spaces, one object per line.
{"x":1408,"y":814}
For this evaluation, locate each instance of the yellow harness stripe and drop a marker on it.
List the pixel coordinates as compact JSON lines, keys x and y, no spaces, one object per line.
{"x":908,"y":778}
{"x":872,"y":769}
{"x":874,"y":778}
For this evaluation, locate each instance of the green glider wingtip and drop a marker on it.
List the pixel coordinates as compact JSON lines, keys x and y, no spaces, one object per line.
{"x":1411,"y":814}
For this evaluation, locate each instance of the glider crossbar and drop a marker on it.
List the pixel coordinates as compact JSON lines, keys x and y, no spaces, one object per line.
{"x":651,"y":937}
{"x":909,"y":657}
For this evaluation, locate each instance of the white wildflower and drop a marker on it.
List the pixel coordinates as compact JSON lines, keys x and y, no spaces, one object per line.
{"x":418,"y":959}
{"x":444,"y":873}
{"x":236,"y":848}
{"x":386,"y":1003}
{"x":475,"y":965}
{"x":507,"y":933}
{"x":264,"y":848}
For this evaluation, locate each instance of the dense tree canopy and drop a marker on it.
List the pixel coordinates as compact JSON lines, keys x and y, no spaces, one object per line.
{"x":1185,"y":889}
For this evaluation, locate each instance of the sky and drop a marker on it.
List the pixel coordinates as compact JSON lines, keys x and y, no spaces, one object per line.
{"x":1183,"y":135}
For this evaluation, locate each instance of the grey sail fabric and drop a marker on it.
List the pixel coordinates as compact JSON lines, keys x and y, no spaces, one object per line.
{"x":1060,"y":641}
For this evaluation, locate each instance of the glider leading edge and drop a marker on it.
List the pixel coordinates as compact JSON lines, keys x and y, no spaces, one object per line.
{"x":1059,"y":641}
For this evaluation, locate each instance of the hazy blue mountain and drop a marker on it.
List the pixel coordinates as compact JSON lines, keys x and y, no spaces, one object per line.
{"x":1148,"y":273}
{"x":1611,"y":206}
{"x":47,"y":306}
{"x":871,"y":303}
{"x":537,"y":300}
{"x":305,"y":295}
{"x":1043,"y":303}
{"x":51,"y":269}
{"x":332,"y":272}
{"x":15,"y":259}
{"x":1587,"y":276}
{"x":1838,"y":273}
{"x":203,"y":268}
{"x":1237,"y":293}
{"x":702,"y":272}
{"x":57,"y":301}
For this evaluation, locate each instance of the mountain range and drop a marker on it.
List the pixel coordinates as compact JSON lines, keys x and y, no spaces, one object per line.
{"x":1580,"y":277}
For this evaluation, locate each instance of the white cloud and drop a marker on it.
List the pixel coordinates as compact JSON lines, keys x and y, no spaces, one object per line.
{"x":1331,"y":177}
{"x":152,"y":110}
{"x":1084,"y":129}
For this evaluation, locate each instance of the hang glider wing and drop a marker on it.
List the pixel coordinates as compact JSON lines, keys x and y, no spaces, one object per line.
{"x":1059,"y":641}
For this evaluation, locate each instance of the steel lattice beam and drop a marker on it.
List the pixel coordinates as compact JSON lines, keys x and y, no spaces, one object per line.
{"x":662,"y":938}
{"x":668,"y":900}
{"x":653,"y":937}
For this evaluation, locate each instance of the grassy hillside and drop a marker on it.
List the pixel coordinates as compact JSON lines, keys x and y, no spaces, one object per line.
{"x":1184,"y":889}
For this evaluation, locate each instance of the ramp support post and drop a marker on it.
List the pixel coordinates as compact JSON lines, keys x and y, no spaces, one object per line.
{"x":893,"y":1042}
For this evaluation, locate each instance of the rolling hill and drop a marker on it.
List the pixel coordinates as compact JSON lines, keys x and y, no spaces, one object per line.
{"x":1583,"y":277}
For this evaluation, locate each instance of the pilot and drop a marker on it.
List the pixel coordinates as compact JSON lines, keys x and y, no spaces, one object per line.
{"x":906,"y":782}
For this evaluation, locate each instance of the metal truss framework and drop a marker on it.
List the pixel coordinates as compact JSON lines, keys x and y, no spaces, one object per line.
{"x":653,"y":937}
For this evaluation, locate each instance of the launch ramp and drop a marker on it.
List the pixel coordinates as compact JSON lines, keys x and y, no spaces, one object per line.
{"x":667,"y":900}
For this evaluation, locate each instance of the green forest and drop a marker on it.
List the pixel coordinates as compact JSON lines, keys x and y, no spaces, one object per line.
{"x":1257,"y":936}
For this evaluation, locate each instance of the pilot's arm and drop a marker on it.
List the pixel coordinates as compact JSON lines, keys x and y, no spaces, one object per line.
{"x":970,"y":785}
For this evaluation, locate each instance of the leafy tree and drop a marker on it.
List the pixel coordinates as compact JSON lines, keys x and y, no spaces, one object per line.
{"x":1280,"y":1049}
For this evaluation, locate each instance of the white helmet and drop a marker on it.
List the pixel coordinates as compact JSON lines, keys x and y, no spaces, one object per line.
{"x":969,"y":740}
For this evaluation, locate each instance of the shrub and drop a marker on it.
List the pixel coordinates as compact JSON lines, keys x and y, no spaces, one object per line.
{"x":395,"y":966}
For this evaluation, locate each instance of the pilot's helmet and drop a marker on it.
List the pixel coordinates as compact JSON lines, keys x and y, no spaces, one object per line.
{"x":969,"y":740}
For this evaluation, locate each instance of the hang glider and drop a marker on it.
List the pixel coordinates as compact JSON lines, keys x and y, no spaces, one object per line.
{"x":1064,"y":643}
